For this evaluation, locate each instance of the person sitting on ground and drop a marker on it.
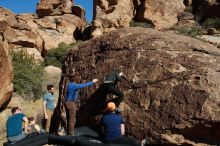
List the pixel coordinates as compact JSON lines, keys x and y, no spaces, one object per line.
{"x":109,"y":86}
{"x":33,"y":127}
{"x":14,"y":125}
{"x":70,"y":100}
{"x":113,"y":127}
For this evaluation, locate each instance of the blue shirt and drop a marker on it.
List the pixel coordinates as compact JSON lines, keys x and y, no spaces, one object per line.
{"x":49,"y":98}
{"x":14,"y":125}
{"x":112,"y":126}
{"x":72,"y":90}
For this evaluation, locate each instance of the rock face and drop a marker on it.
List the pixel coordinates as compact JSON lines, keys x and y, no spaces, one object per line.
{"x":6,"y":86}
{"x":163,"y":14}
{"x":54,"y":7}
{"x":171,"y":83}
{"x":110,"y":15}
{"x":37,"y":35}
{"x":206,"y":8}
{"x":51,"y":76}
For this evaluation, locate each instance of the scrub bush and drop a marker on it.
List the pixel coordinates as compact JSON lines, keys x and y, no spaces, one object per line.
{"x":27,"y":75}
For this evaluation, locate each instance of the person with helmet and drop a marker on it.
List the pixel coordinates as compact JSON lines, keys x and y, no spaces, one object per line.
{"x":113,"y":127}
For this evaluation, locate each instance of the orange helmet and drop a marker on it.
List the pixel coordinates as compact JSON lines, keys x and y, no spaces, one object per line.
{"x":111,"y":106}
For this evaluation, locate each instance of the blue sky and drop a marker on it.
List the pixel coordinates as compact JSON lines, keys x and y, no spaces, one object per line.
{"x":29,"y":6}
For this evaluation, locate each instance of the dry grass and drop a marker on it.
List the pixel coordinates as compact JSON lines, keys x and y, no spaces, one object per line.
{"x":29,"y":108}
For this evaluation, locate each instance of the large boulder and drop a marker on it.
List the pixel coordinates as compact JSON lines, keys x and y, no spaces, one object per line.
{"x":171,"y":82}
{"x":37,"y":35}
{"x":6,"y":86}
{"x":54,"y":7}
{"x":3,"y":24}
{"x":8,"y":15}
{"x":162,"y":14}
{"x":206,"y":8}
{"x":110,"y":15}
{"x":79,"y":11}
{"x":51,"y":76}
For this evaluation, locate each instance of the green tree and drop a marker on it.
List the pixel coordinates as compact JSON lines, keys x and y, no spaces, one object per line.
{"x":56,"y":56}
{"x":27,"y":75}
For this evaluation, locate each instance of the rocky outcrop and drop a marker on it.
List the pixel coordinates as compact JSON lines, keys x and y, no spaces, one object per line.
{"x":6,"y":86}
{"x":37,"y":35}
{"x":110,"y":15}
{"x":51,"y":76}
{"x":54,"y":7}
{"x":171,"y":83}
{"x":186,"y":19}
{"x":162,"y":14}
{"x":79,"y":11}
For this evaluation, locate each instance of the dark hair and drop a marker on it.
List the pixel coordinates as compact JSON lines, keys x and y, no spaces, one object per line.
{"x":74,"y":78}
{"x":14,"y":109}
{"x":30,"y":119}
{"x":49,"y":87}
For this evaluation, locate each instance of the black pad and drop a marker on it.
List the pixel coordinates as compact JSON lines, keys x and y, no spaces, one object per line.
{"x":34,"y":139}
{"x":87,"y":141}
{"x":84,"y":130}
{"x":62,"y":140}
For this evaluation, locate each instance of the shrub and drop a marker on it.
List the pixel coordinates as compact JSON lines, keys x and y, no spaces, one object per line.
{"x":211,"y":23}
{"x":140,"y":24}
{"x":56,"y":56}
{"x":27,"y":75}
{"x":192,"y":31}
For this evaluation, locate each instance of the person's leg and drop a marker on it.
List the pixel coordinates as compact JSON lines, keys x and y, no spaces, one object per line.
{"x":71,"y":106}
{"x":67,"y":117}
{"x":17,"y":138}
{"x":126,"y":140}
{"x":112,"y":89}
{"x":102,"y":94}
{"x":49,"y":113}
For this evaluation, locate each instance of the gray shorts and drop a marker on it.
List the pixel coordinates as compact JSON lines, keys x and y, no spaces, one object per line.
{"x":16,"y":138}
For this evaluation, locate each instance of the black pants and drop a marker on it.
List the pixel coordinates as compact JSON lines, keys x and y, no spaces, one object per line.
{"x":110,"y":88}
{"x":125,"y":140}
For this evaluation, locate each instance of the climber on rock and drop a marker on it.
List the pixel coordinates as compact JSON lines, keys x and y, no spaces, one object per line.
{"x":109,"y":87}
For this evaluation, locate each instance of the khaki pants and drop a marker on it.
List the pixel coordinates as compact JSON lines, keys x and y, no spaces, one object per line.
{"x":71,"y":116}
{"x":49,"y":113}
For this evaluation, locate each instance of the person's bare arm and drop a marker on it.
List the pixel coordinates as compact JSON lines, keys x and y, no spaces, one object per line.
{"x":45,"y":110}
{"x":25,"y":119}
{"x":122,"y":129}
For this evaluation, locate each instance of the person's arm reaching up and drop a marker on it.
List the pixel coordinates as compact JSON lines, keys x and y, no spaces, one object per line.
{"x":79,"y":86}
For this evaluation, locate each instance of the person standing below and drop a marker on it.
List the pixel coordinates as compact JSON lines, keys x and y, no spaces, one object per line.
{"x":109,"y":86}
{"x":113,"y":127}
{"x":70,"y":101}
{"x":49,"y":105}
{"x":14,"y":125}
